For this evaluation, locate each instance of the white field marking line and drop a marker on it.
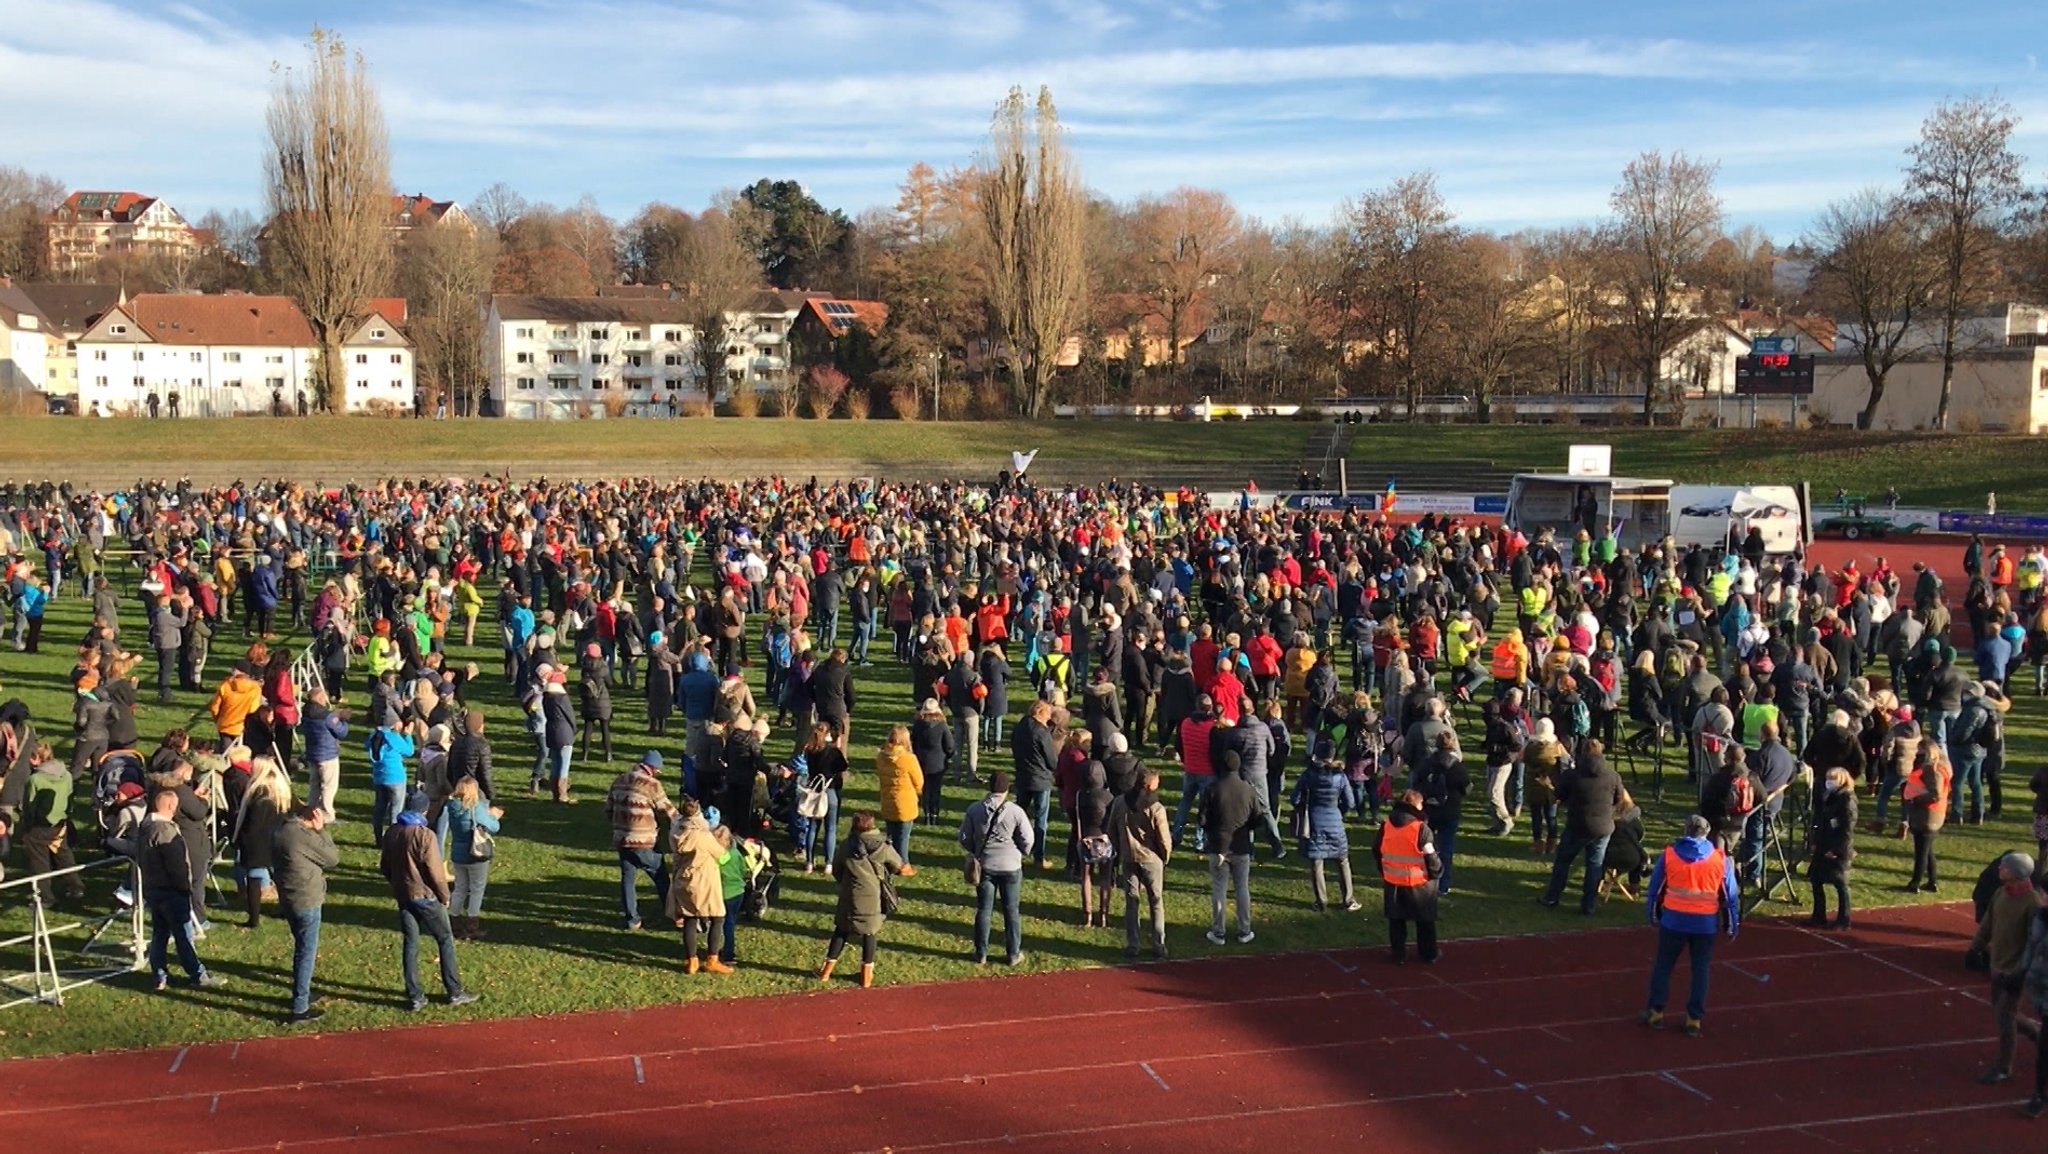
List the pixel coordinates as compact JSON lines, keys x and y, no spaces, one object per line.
{"x":1758,"y":978}
{"x":179,"y":1060}
{"x":1684,"y":1085}
{"x":1147,"y":1067}
{"x":1715,"y":1136}
{"x":1341,"y":967}
{"x":639,"y":1071}
{"x":236,"y":1052}
{"x":1965,"y":991}
{"x":766,"y":1099}
{"x":1484,"y":1031}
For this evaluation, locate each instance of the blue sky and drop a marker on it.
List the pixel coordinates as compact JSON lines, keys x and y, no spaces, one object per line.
{"x":1525,"y":109}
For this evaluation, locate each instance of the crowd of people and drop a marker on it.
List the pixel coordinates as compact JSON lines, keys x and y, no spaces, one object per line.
{"x":1300,"y":679}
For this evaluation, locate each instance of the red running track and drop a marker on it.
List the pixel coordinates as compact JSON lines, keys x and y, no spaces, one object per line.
{"x":1868,"y":1041}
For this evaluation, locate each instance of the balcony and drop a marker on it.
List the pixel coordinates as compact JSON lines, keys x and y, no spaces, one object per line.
{"x":766,"y":340}
{"x":767,"y":364}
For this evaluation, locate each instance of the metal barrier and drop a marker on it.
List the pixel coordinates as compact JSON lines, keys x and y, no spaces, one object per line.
{"x":47,"y":978}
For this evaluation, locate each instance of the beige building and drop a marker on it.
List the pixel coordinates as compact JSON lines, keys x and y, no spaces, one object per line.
{"x":89,"y":226}
{"x":1994,"y":390}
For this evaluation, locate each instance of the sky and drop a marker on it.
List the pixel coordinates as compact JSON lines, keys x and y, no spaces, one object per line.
{"x":1526,"y":110}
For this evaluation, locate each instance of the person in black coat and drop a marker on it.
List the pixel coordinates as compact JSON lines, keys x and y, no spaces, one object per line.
{"x":933,"y":744}
{"x":1626,"y":858}
{"x":832,"y":696}
{"x":1443,"y":782}
{"x":1590,"y":794}
{"x":1830,"y":846}
{"x":594,"y":695}
{"x":1034,"y":756}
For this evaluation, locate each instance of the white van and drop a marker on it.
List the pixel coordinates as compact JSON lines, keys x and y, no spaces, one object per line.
{"x":1722,"y":515}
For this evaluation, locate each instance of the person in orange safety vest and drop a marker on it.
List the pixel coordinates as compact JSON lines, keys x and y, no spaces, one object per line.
{"x":1692,"y":895}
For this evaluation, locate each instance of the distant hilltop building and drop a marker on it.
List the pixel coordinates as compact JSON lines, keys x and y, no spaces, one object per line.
{"x":90,"y":226}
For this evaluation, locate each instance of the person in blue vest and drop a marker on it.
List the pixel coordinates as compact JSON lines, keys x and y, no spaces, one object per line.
{"x":1692,"y":896}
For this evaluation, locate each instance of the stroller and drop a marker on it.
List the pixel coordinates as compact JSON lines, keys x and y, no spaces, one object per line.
{"x":764,"y":880}
{"x":118,"y":804}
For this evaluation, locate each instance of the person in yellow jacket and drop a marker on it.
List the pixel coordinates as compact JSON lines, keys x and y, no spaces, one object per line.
{"x":900,"y":781}
{"x":471,"y":605}
{"x":383,"y":653}
{"x":1464,"y":647}
{"x":232,"y":704}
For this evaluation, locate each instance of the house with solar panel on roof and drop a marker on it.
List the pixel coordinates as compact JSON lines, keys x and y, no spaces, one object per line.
{"x":91,"y":226}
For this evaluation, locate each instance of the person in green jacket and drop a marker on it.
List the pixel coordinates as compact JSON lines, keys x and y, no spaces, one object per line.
{"x":46,"y":822}
{"x":732,"y":880}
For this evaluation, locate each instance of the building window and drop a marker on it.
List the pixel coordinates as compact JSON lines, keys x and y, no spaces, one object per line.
{"x":120,"y":330}
{"x":378,"y":334}
{"x":138,"y":382}
{"x":562,"y":382}
{"x":362,"y":358}
{"x":100,"y":381}
{"x":398,"y":384}
{"x":231,"y":358}
{"x":99,"y":354}
{"x":672,"y":359}
{"x":636,"y":360}
{"x":197,"y":383}
{"x":522,"y":358}
{"x":600,"y":359}
{"x":672,"y":336}
{"x":274,"y":359}
{"x":397,"y":358}
{"x":233,"y":384}
{"x":361,"y":383}
{"x":523,"y":383}
{"x":560,"y":358}
{"x":197,"y":357}
{"x":563,"y":334}
{"x":138,"y":354}
{"x":523,"y":334}
{"x":633,"y":334}
{"x":600,"y":334}
{"x":599,"y":384}
{"x":275,"y":382}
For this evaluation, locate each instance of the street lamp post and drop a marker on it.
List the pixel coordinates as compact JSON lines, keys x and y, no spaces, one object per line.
{"x":936,"y":357}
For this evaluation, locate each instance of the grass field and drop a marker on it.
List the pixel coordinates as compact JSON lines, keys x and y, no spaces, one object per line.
{"x":552,"y":904}
{"x":1952,"y":471}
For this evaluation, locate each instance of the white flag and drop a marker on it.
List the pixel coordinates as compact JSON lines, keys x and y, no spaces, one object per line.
{"x":1022,"y":461}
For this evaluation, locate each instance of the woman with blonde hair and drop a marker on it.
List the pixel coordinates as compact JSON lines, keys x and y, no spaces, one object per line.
{"x":900,"y":782}
{"x":265,"y":801}
{"x":466,"y":812}
{"x":1829,"y":846}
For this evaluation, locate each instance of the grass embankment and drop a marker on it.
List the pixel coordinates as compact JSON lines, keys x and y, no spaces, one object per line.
{"x":556,"y":946}
{"x":686,"y":446}
{"x":1943,"y":470}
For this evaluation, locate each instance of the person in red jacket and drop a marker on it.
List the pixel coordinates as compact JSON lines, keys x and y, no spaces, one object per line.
{"x":1265,"y":655}
{"x":1227,"y":692}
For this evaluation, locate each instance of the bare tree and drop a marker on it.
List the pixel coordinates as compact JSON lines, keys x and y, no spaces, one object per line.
{"x":1568,"y":265}
{"x":26,"y":201}
{"x":1876,"y":268}
{"x":443,"y":273}
{"x":498,"y":208}
{"x":1187,"y":239}
{"x":1964,"y":182}
{"x":327,"y":186}
{"x":593,"y":236}
{"x":1401,"y":243}
{"x":718,"y":276}
{"x":1666,"y":216}
{"x":1491,"y":326}
{"x":1032,"y":221}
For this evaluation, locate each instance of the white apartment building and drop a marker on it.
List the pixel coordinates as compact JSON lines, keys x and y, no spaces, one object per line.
{"x":231,"y":353}
{"x":561,"y":358}
{"x":68,"y":311}
{"x":624,"y":352}
{"x":24,"y":345}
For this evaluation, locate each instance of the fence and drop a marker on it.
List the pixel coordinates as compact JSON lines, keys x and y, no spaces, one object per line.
{"x":48,"y":977}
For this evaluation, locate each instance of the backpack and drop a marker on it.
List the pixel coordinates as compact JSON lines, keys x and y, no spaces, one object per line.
{"x":1582,"y":718}
{"x":1741,"y":795}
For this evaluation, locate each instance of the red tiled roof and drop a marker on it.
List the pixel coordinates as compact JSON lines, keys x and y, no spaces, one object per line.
{"x":229,"y":319}
{"x":124,"y":206}
{"x":424,"y":209}
{"x":392,"y":309}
